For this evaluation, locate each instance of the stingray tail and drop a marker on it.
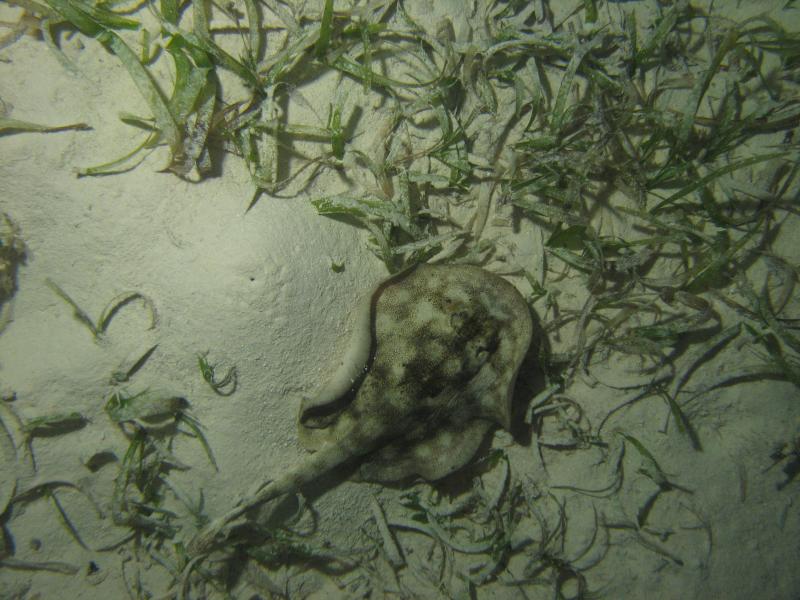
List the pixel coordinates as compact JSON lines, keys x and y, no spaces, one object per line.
{"x":319,"y":463}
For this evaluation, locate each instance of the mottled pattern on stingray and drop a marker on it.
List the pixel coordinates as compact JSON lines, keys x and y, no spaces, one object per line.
{"x":445,"y":346}
{"x":400,"y":460}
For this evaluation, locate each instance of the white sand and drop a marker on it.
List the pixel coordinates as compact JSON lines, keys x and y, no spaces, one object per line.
{"x":258,"y":291}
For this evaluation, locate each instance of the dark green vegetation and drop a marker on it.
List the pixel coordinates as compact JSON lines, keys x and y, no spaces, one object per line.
{"x":648,"y":152}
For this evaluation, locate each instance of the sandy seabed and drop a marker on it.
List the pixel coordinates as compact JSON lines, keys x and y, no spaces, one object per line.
{"x":257,"y":289}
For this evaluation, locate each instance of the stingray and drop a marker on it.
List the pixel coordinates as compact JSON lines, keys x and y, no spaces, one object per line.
{"x":430,"y":369}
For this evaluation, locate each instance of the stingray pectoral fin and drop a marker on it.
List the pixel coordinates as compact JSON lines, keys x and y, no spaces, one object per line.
{"x":493,"y":386}
{"x":353,"y":362}
{"x":450,"y":448}
{"x":492,"y":401}
{"x":319,"y":412}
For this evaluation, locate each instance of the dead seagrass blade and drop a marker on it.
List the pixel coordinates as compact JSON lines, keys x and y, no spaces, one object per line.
{"x":430,"y":369}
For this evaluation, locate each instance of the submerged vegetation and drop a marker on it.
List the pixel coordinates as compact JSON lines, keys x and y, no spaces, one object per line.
{"x":644,"y":152}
